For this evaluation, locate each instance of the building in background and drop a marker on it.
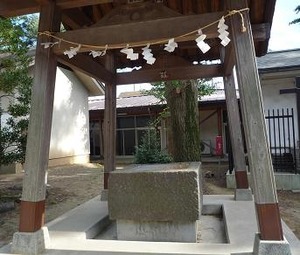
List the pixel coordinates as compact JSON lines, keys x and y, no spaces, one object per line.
{"x":70,"y":141}
{"x":279,"y":72}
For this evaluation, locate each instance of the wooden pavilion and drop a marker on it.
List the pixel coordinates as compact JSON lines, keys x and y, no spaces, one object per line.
{"x":104,"y":27}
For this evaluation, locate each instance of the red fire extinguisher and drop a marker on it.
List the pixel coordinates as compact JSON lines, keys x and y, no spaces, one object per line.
{"x":219,"y":146}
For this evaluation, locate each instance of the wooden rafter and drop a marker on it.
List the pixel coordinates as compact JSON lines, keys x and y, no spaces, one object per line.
{"x":76,"y":19}
{"x":10,"y":8}
{"x":88,"y":66}
{"x":173,"y":73}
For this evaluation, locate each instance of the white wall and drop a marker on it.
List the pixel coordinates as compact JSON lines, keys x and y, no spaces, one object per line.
{"x":271,"y":93}
{"x":272,"y":99}
{"x":70,"y":123}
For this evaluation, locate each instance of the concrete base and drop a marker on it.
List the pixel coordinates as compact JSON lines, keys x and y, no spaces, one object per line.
{"x":75,"y":159}
{"x":266,"y":247}
{"x":31,"y":243}
{"x":11,"y":169}
{"x":157,"y":231}
{"x":243,"y":195}
{"x":284,"y":181}
{"x":104,"y":195}
{"x":70,"y":231}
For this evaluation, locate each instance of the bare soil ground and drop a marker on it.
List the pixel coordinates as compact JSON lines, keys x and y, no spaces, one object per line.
{"x":70,"y":186}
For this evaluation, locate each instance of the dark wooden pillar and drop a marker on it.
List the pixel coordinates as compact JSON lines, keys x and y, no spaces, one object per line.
{"x":33,"y":237}
{"x":234,"y":123}
{"x":110,"y":117}
{"x":255,"y":130}
{"x":38,"y":141}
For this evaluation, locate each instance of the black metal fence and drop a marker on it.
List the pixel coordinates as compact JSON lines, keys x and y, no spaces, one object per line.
{"x":282,"y":140}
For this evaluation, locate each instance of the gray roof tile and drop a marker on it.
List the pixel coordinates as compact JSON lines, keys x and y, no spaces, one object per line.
{"x":279,"y":59}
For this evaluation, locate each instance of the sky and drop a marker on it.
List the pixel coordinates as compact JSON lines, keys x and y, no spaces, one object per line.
{"x":283,"y":35}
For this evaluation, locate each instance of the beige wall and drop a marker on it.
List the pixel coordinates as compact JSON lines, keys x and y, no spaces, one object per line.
{"x":70,"y":123}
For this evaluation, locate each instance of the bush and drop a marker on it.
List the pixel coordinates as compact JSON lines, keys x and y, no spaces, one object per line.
{"x":149,"y":152}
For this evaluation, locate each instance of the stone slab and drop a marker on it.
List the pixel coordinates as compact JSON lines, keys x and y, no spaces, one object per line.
{"x":165,"y":231}
{"x":240,"y":222}
{"x":159,"y":192}
{"x":243,"y":195}
{"x":83,"y":222}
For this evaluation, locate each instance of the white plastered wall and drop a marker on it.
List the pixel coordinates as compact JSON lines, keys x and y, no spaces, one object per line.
{"x":70,"y":122}
{"x":272,"y":99}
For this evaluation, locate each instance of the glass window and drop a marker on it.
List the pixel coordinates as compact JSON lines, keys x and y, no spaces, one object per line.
{"x":120,"y":143}
{"x":142,"y":121}
{"x":129,"y":141}
{"x":125,"y":122}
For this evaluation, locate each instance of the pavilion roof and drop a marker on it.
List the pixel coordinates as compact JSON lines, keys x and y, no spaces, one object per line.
{"x":79,"y":14}
{"x":118,"y":23}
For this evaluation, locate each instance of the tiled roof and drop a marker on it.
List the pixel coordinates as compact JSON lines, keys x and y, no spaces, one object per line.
{"x":125,"y":102}
{"x":279,"y":59}
{"x":97,"y":103}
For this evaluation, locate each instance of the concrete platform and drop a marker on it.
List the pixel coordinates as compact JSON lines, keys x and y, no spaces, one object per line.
{"x":69,"y":233}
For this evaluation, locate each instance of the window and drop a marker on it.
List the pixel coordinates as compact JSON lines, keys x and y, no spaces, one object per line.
{"x":130,"y":130}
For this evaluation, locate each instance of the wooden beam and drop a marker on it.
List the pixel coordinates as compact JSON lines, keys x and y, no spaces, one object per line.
{"x":138,"y":32}
{"x":172,"y":73}
{"x":144,"y":32}
{"x":42,"y":2}
{"x":88,"y":66}
{"x":10,"y":8}
{"x":261,"y":32}
{"x":76,"y":19}
{"x":227,"y":57}
{"x":69,"y":4}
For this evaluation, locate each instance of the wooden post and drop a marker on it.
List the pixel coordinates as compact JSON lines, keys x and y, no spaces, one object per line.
{"x":256,"y":137}
{"x":39,"y":131}
{"x":32,"y":237}
{"x":110,"y":116}
{"x":234,"y":123}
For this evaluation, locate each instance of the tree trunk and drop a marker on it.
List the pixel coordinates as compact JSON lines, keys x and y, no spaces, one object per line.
{"x":183,"y":105}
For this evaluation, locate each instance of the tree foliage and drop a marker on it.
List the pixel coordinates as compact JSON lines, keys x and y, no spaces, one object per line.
{"x":17,"y":36}
{"x":204,"y":87}
{"x":295,"y":21}
{"x":149,"y":151}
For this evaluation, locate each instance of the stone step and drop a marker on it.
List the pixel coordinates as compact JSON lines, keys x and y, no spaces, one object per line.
{"x":75,"y":223}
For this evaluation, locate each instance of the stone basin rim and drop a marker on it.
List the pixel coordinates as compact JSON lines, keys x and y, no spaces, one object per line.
{"x":171,"y":167}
